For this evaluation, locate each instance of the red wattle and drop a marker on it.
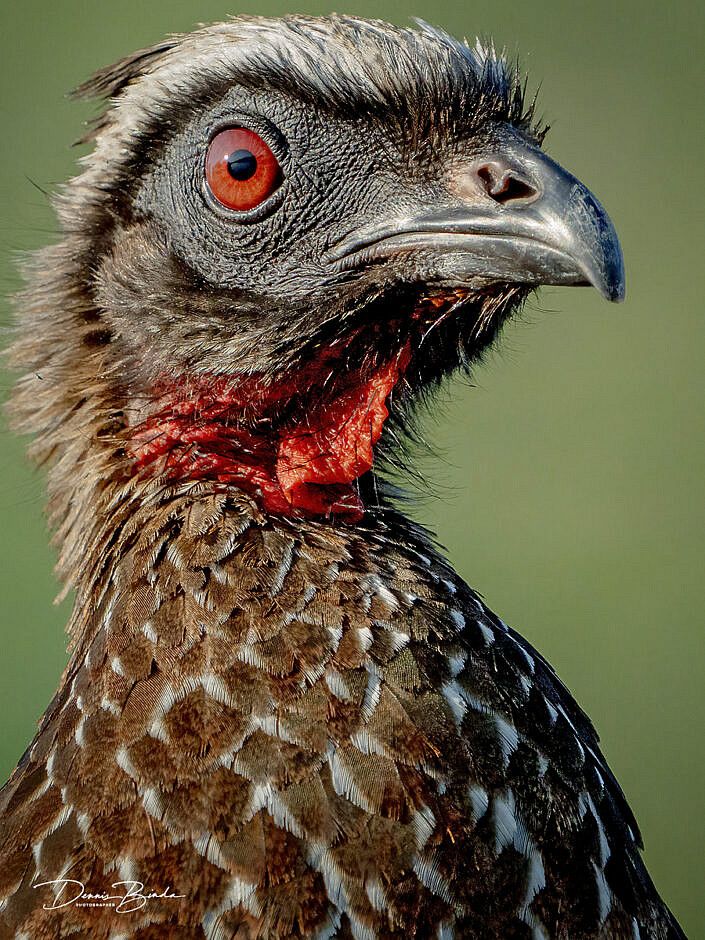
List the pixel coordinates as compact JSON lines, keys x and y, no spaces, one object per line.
{"x":338,"y":448}
{"x":207,"y":427}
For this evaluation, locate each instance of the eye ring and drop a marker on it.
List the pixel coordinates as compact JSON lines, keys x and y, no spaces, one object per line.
{"x":241,"y":173}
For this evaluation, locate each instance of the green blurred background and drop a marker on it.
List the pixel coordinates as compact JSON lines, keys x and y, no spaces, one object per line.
{"x":570,"y":479}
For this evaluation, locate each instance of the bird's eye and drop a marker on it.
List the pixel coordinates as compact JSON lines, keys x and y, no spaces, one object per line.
{"x":241,"y":170}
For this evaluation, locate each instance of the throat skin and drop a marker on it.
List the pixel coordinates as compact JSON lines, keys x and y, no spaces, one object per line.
{"x":296,"y":446}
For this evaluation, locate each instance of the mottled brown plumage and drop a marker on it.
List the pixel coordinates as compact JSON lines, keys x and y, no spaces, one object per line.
{"x":295,"y":723}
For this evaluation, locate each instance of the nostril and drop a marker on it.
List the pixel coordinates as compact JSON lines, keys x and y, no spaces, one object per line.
{"x":505,"y":187}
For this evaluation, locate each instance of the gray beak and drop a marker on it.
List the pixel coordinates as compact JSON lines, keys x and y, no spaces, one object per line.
{"x":511,"y":215}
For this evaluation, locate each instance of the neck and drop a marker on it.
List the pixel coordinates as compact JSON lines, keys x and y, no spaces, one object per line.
{"x":293,"y":443}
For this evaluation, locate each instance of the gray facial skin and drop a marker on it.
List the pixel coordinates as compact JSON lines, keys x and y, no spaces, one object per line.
{"x":486,"y":208}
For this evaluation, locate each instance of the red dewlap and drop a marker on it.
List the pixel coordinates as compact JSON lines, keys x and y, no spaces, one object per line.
{"x":207,"y":428}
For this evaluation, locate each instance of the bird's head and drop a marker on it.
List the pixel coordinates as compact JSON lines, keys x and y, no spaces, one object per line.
{"x":288,"y":228}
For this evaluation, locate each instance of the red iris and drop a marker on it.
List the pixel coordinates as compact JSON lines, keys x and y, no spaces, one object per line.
{"x":241,"y":170}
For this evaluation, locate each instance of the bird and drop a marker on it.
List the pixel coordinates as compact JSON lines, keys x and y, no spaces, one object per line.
{"x":284,"y":714}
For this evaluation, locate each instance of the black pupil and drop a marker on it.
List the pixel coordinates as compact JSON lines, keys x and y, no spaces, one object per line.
{"x":242,"y":164}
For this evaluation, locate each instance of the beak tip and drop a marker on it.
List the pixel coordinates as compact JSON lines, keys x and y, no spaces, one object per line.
{"x":615,"y":285}
{"x":607,"y":272}
{"x":615,"y":292}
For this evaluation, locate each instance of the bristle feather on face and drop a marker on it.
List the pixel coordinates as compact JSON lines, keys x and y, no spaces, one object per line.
{"x":339,"y":64}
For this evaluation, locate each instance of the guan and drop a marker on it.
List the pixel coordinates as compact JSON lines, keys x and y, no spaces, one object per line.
{"x":284,"y":714}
